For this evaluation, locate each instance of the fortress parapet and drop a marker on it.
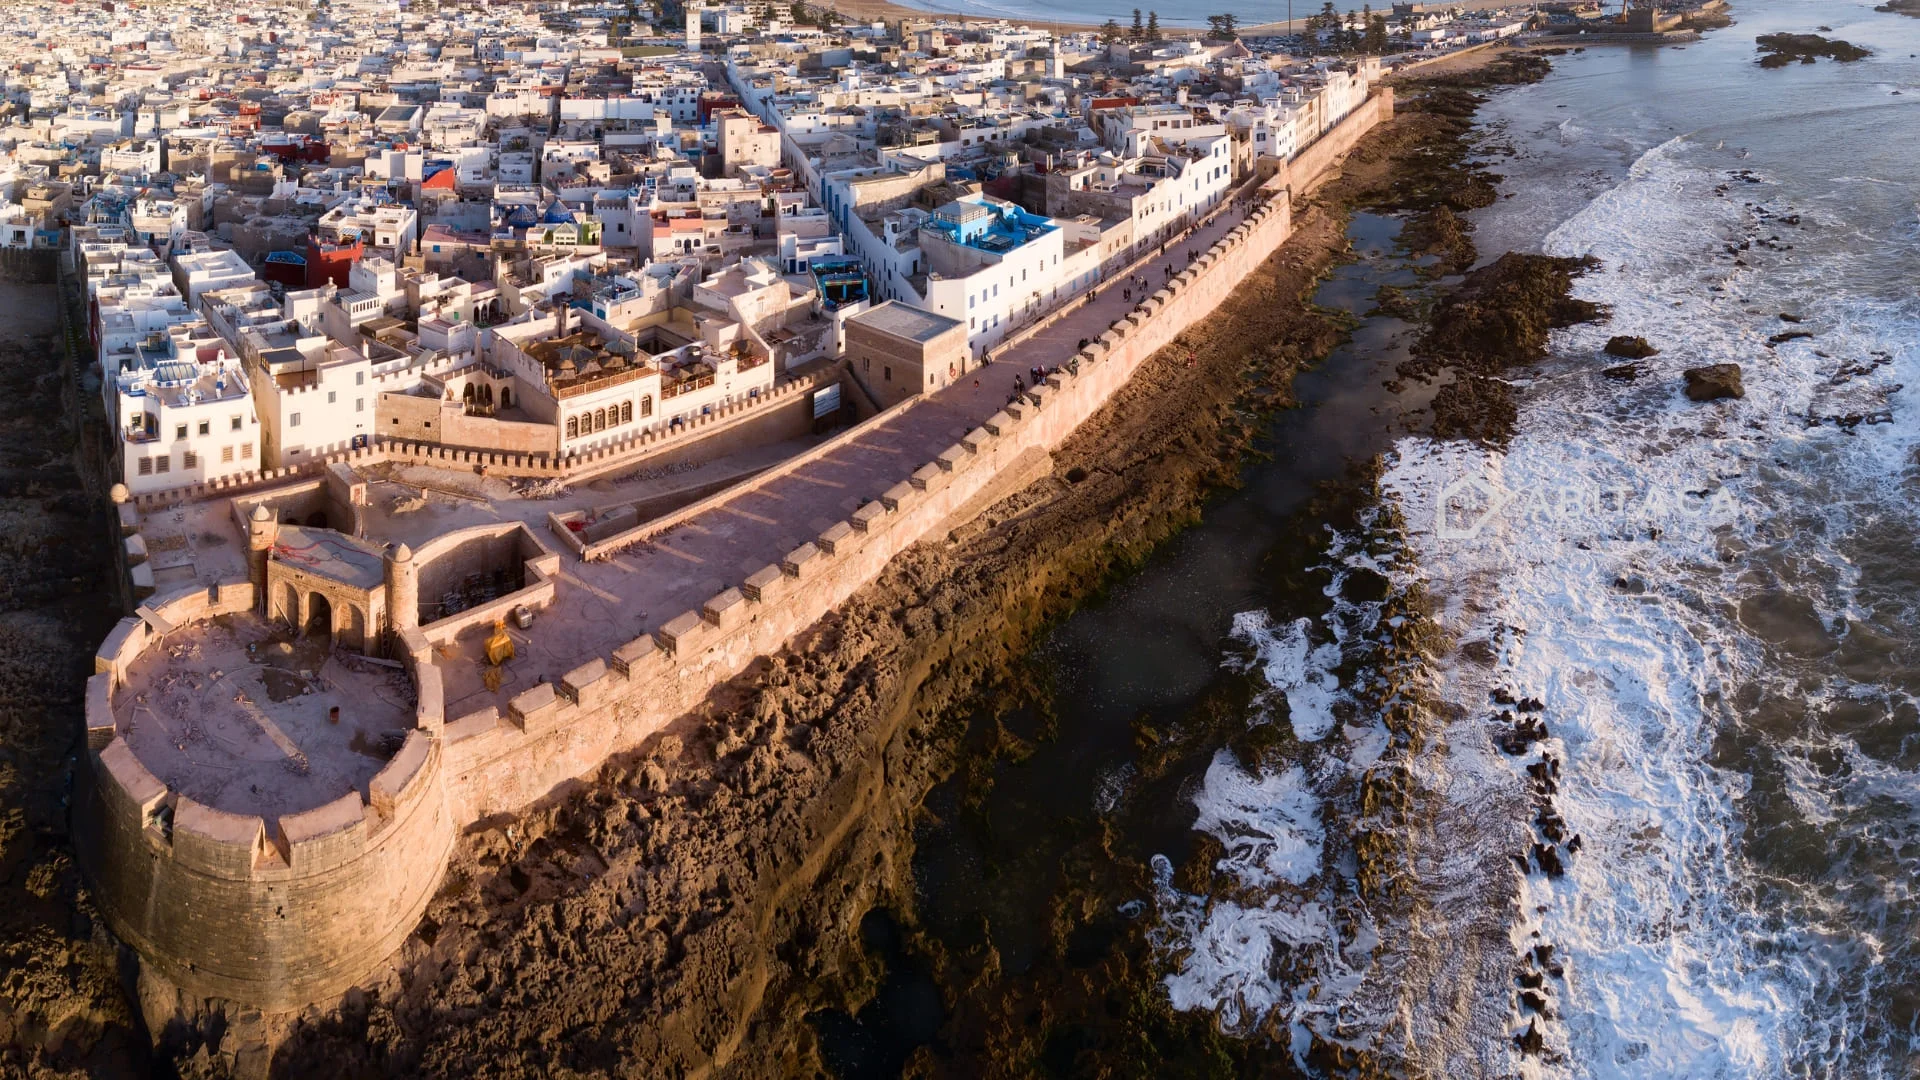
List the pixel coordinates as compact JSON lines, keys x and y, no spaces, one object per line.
{"x":277,"y":900}
{"x":269,"y":816}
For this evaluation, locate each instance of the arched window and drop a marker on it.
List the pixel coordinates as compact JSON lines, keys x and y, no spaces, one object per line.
{"x":626,"y":412}
{"x":573,"y":427}
{"x":646,"y":404}
{"x":600,"y":420}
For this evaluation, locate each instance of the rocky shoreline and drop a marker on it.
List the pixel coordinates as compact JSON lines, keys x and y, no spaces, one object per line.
{"x":63,"y":1010}
{"x":685,"y":910}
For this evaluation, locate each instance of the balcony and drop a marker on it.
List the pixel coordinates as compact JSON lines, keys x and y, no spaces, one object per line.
{"x":673,"y":385}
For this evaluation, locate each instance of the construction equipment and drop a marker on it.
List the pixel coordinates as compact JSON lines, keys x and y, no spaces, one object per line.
{"x":500,"y":645}
{"x":499,"y":650}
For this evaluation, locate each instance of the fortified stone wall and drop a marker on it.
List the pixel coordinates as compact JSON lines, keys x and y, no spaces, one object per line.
{"x":227,"y":905}
{"x":779,"y":404}
{"x":554,"y":732}
{"x":443,"y":561}
{"x":1312,"y":165}
{"x":285,"y":914}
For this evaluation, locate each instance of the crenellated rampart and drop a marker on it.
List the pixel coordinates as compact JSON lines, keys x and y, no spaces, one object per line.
{"x":277,"y":914}
{"x":283,"y":913}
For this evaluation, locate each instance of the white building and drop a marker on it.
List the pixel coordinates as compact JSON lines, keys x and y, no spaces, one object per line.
{"x":183,"y":412}
{"x":197,"y":273}
{"x":991,"y":265}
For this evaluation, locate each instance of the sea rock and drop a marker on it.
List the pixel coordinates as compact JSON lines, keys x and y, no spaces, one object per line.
{"x":1629,"y":348}
{"x":1623,"y":372}
{"x":1530,"y":1041}
{"x":1715,"y":381}
{"x":1548,"y":857}
{"x":1789,"y":335}
{"x":1784,"y":49}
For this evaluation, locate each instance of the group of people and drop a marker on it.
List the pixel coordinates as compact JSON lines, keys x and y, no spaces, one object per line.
{"x":1038,"y":373}
{"x":1132,"y":283}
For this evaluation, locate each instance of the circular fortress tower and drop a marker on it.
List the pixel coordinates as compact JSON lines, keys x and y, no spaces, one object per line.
{"x":267,"y":817}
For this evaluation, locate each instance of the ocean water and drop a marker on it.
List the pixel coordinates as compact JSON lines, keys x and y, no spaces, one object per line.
{"x":1715,"y":604}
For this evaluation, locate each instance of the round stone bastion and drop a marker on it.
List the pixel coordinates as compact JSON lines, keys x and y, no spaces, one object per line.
{"x":266,"y":819}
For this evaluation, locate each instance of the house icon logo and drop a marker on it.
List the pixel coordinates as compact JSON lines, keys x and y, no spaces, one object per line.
{"x":1465,"y":505}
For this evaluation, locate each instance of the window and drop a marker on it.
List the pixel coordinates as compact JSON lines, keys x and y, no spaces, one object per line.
{"x":573,"y":427}
{"x":646,"y":405}
{"x":600,"y":420}
{"x":236,"y":424}
{"x":331,"y":396}
{"x":164,"y":464}
{"x":294,"y":420}
{"x":146,"y":466}
{"x":359,"y":404}
{"x":206,"y":427}
{"x":226,"y":454}
{"x":192,"y":460}
{"x":626,"y":412}
{"x":359,"y":378}
{"x":180,"y":431}
{"x":246,"y":451}
{"x":886,"y":373}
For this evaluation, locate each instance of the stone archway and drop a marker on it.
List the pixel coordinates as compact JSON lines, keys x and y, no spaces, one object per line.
{"x":289,"y":605}
{"x":319,"y":615}
{"x":352,"y":628}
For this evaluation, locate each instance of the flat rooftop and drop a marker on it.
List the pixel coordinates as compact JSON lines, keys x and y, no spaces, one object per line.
{"x":903,"y":321}
{"x":234,"y":713}
{"x":330,"y":554}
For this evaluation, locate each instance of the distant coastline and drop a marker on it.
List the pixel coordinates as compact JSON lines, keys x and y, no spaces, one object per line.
{"x":1263,"y":16}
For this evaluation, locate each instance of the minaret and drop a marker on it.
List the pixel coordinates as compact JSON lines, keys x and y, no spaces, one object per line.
{"x":693,"y":27}
{"x":262,"y":531}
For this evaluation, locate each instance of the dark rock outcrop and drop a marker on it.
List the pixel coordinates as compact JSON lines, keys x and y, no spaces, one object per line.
{"x":1715,"y":381}
{"x":1784,"y":49}
{"x":1629,"y":348}
{"x":1497,"y":319}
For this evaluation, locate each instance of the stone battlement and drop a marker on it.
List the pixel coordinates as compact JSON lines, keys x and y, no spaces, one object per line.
{"x":499,"y":462}
{"x":276,"y":913}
